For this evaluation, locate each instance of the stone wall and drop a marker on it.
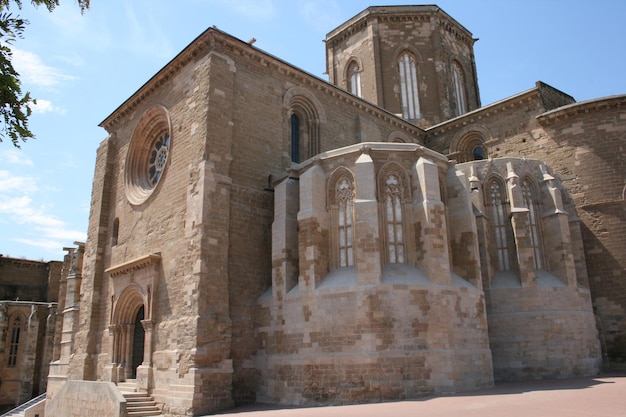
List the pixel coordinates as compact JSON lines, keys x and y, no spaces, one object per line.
{"x":376,"y":37}
{"x":208,"y":219}
{"x":28,"y":289}
{"x":583,"y":143}
{"x":386,"y":326}
{"x":87,"y":398}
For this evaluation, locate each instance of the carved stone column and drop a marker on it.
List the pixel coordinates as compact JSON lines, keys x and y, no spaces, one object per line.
{"x":144,"y":371}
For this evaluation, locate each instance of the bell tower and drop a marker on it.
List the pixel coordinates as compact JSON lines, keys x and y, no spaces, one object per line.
{"x":414,"y":61}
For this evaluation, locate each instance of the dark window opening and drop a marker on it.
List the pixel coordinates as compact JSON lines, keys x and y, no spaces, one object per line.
{"x":115,"y":233}
{"x":295,"y":138}
{"x":139,"y":337}
{"x":478,"y":153}
{"x":15,"y":342}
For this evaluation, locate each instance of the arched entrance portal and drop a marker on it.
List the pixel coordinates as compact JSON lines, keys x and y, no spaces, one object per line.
{"x":131,"y":320}
{"x":139,"y":338}
{"x":128,"y":333}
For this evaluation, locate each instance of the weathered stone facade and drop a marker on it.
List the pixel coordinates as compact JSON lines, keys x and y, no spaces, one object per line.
{"x":28,"y":294}
{"x":258,"y":234}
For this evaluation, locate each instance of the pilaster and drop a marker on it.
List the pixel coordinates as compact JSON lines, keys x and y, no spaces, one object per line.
{"x":312,"y":220}
{"x":430,"y":228}
{"x":285,"y":237}
{"x":521,"y":230}
{"x":367,"y":244}
{"x":556,"y":227}
{"x":462,"y":228}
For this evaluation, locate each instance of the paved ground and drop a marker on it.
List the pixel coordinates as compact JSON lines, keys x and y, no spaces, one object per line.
{"x":601,"y":396}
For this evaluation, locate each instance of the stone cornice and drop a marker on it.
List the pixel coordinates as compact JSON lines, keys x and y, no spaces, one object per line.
{"x":490,"y":110}
{"x":48,"y":304}
{"x":400,"y":14}
{"x":363,"y":147}
{"x":25,"y":263}
{"x":223,"y":42}
{"x":582,"y":107}
{"x":134,"y":265}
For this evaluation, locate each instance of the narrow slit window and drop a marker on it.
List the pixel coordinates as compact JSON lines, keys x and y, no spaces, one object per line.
{"x":295,"y":138}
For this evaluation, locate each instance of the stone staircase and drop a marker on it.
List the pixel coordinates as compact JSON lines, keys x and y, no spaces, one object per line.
{"x":19,"y":411}
{"x":138,"y":404}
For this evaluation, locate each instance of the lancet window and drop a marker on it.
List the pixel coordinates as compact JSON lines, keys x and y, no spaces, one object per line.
{"x":499,"y":223}
{"x":393,"y":218}
{"x":458,"y":81}
{"x":408,"y":86}
{"x":295,"y":138}
{"x":533,"y":219}
{"x":14,"y":342}
{"x":354,"y":78}
{"x":344,"y":197}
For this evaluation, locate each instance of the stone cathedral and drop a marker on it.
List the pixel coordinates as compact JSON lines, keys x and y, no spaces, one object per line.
{"x":260,"y":234}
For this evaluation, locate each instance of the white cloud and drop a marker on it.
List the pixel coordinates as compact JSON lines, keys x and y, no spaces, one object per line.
{"x":17,"y":206}
{"x":47,"y":244}
{"x":46,"y":106}
{"x":10,"y":183}
{"x":13,"y":156}
{"x":32,"y":70}
{"x":64,"y":234}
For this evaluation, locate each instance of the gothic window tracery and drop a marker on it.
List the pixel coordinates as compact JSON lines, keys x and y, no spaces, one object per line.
{"x":345,"y":204}
{"x":14,"y":342}
{"x":393,"y":218}
{"x":530,"y":202}
{"x":147,"y":156}
{"x":409,"y":86}
{"x":499,"y":223}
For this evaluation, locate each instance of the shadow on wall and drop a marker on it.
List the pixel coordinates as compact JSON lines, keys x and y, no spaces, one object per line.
{"x":608,"y":295}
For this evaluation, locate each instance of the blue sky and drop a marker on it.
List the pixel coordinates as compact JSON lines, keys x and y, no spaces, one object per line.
{"x":81,"y":68}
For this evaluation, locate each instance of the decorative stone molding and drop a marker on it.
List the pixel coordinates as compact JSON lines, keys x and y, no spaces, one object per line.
{"x":134,"y":265}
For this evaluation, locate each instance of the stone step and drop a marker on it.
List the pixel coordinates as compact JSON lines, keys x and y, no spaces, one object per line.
{"x":140,"y":404}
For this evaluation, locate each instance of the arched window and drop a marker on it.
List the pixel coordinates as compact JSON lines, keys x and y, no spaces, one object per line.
{"x":499,"y":223}
{"x":469,"y":148}
{"x":344,"y":195}
{"x":408,"y":86}
{"x":393,"y":218}
{"x":14,"y":342}
{"x":458,"y":82}
{"x":354,"y":78}
{"x":533,"y":219}
{"x":304,"y":116}
{"x":478,"y":153}
{"x":295,"y":138}
{"x":115,"y":232}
